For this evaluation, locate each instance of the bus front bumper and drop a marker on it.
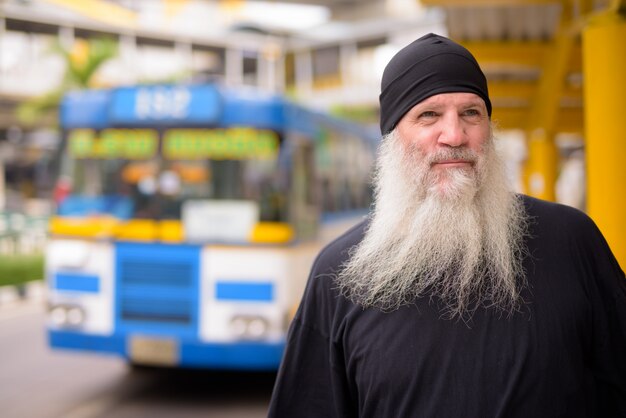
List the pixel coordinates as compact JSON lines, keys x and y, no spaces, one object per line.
{"x":163,"y":351}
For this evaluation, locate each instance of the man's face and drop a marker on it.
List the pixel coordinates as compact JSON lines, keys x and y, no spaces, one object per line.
{"x":446,"y":222}
{"x":446,"y":133}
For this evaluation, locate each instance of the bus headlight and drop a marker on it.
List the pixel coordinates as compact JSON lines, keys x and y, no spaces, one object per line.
{"x":257,"y":327}
{"x":239,"y":326}
{"x":67,"y":315}
{"x":75,"y":316}
{"x":249,"y":327}
{"x":58,"y":316}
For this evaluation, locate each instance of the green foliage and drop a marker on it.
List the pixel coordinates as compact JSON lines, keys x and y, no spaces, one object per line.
{"x":34,"y":109}
{"x":18,"y":269}
{"x":81,"y":65}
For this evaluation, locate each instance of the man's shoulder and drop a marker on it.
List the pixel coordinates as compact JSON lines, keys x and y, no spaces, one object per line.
{"x":557,"y":224}
{"x":554,"y":213}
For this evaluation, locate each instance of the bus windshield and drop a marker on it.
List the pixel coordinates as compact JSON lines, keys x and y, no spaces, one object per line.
{"x":150,"y":174}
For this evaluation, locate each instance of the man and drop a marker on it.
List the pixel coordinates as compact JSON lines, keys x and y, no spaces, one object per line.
{"x":456,"y":298}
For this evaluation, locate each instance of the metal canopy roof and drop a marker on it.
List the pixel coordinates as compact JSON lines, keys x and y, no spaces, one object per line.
{"x":530,"y":51}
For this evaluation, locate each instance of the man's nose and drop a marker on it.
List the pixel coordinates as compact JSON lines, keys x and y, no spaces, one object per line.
{"x":452,"y":132}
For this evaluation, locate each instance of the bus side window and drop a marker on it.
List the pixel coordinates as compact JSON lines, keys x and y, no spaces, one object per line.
{"x":303,"y":202}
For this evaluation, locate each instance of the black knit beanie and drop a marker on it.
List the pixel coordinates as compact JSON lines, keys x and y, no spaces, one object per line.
{"x":430,"y":65}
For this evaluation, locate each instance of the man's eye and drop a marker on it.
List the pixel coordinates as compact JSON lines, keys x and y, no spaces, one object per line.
{"x":472,"y":112}
{"x":428,"y":114}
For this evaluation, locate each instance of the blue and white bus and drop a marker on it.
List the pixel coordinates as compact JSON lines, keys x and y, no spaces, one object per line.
{"x":187,"y":218}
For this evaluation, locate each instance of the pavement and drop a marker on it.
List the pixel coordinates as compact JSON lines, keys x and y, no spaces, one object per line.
{"x":31,"y":291}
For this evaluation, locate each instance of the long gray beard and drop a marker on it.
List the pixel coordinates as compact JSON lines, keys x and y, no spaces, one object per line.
{"x":456,"y":235}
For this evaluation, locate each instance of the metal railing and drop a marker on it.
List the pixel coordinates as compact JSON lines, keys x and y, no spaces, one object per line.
{"x":22,"y":234}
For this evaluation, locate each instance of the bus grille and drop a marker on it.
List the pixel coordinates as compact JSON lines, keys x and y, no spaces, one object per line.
{"x":147,"y":290}
{"x":157,"y":286}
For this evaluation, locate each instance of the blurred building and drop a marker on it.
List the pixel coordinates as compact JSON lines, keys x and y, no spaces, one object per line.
{"x":325,"y":53}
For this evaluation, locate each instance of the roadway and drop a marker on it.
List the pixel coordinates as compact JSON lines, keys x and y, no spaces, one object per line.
{"x":36,"y":382}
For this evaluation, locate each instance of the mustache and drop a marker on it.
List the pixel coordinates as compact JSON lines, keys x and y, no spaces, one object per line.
{"x":447,"y":154}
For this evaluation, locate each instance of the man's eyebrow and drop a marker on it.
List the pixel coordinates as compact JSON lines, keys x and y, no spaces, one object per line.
{"x":430,"y":105}
{"x":474,"y":102}
{"x":422,"y":107}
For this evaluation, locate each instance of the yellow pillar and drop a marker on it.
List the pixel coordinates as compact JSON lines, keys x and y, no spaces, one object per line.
{"x":541,"y":166}
{"x":604,"y":66}
{"x":543,"y":157}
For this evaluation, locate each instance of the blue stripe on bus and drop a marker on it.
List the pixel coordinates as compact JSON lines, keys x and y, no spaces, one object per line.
{"x":237,"y":356}
{"x":248,"y":355}
{"x":73,"y":282}
{"x":248,"y":291}
{"x":72,"y":340}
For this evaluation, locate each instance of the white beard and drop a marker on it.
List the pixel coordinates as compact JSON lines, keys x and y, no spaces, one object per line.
{"x":456,"y":235}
